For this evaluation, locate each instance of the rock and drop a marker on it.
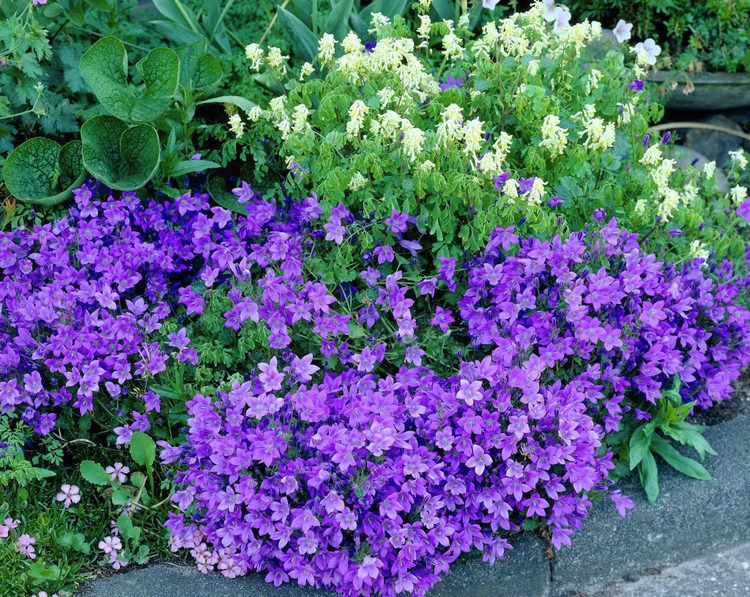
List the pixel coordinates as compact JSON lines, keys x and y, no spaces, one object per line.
{"x":690,"y":519}
{"x":724,"y":574}
{"x":714,"y":145}
{"x":525,"y":572}
{"x":687,"y":158}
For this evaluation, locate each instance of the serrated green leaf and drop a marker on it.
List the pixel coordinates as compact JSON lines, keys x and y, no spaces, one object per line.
{"x":302,"y":39}
{"x":123,"y":157}
{"x":120,"y":497}
{"x":104,"y":67}
{"x":41,"y":172}
{"x":142,"y":449}
{"x":94,"y":473}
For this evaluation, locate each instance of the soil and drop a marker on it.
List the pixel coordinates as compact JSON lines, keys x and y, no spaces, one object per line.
{"x":736,"y":406}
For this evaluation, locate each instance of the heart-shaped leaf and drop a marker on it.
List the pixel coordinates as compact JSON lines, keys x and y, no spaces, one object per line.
{"x":41,"y":172}
{"x":105,"y":68}
{"x":123,"y":157}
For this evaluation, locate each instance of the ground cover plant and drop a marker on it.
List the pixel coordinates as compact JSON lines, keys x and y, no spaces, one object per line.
{"x":441,"y":288}
{"x":519,"y":121}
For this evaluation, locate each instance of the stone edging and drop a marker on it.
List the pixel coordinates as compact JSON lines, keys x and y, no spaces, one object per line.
{"x":690,"y":519}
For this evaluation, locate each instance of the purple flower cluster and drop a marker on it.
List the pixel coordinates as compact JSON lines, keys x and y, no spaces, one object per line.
{"x":82,"y":299}
{"x":350,"y":459}
{"x":605,"y":304}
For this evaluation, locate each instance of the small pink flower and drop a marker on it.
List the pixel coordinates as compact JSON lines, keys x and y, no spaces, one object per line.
{"x":38,"y":2}
{"x":69,"y":494}
{"x":8,"y":525}
{"x":110,"y":545}
{"x":25,"y":546}
{"x":118,"y":471}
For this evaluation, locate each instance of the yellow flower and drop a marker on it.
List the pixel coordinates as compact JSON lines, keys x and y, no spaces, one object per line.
{"x":326,"y":49}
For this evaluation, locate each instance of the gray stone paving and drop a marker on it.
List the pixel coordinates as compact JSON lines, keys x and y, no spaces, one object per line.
{"x":726,"y":574}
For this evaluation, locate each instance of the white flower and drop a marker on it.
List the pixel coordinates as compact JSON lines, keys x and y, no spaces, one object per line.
{"x":352,"y":43}
{"x":738,"y":194}
{"x":622,"y":31}
{"x":472,"y":134}
{"x":738,"y":159}
{"x":490,"y":4}
{"x":254,"y":53}
{"x":413,"y":142}
{"x":452,"y":44}
{"x":326,"y":49}
{"x":698,"y":250}
{"x":237,"y":126}
{"x":275,"y":58}
{"x":357,"y":113}
{"x":647,"y":51}
{"x":299,"y":117}
{"x":562,"y":20}
{"x":709,"y":168}
{"x":450,"y":128}
{"x":306,"y":70}
{"x":357,"y":182}
{"x":550,"y":10}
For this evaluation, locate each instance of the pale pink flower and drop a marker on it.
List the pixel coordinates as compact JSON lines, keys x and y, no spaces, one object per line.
{"x":118,"y":471}
{"x":69,"y":494}
{"x":25,"y":546}
{"x":110,"y":545}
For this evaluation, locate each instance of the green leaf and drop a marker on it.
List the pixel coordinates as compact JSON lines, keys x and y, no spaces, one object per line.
{"x":142,"y":449}
{"x":120,"y":497}
{"x":177,"y":12}
{"x":138,"y":479}
{"x":234,"y":100}
{"x":41,"y":573}
{"x":337,"y":21}
{"x":122,"y":157}
{"x":691,"y":435}
{"x":127,"y":529}
{"x":105,"y":68}
{"x":302,"y":39}
{"x":190,"y":166}
{"x":687,"y":466}
{"x":198,"y":69}
{"x":94,"y":473}
{"x":639,"y":445}
{"x":41,"y":172}
{"x":217,"y":188}
{"x":649,"y":476}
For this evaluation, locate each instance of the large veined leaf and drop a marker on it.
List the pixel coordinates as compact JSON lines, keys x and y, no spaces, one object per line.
{"x":303,"y":40}
{"x":123,"y":157}
{"x":104,"y":67}
{"x":41,"y":172}
{"x":199,"y":70}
